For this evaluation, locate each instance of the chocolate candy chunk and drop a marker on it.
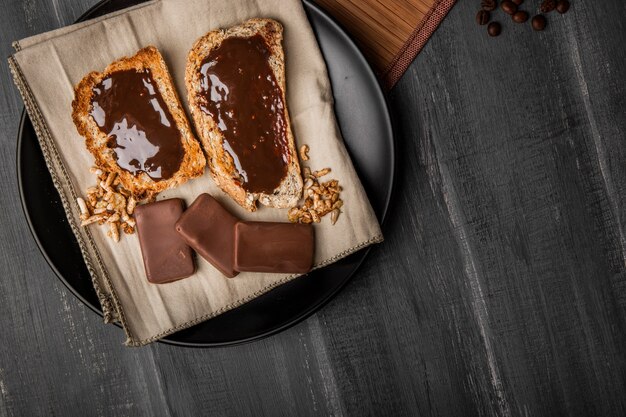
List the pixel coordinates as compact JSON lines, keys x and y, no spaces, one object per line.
{"x":274,"y":247}
{"x":166,"y":257}
{"x":208,"y":228}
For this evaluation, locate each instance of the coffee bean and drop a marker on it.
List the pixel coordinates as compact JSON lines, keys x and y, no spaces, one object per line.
{"x":539,"y":22}
{"x":562,"y":6}
{"x":518,"y":2}
{"x":489,"y":5}
{"x":482,"y":17}
{"x":520,"y":16}
{"x":494,"y":29}
{"x":547,"y":6}
{"x":509,"y":7}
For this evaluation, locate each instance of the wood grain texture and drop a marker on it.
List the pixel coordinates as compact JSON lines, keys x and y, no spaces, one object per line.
{"x":499,"y":291}
{"x":380,"y":27}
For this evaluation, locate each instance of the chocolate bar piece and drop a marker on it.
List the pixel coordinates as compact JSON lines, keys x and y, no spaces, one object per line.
{"x":274,"y":247}
{"x":209,"y":228}
{"x":166,"y":257}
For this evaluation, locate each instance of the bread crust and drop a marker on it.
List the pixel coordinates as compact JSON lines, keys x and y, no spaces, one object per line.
{"x":141,"y":185}
{"x":221,"y":164}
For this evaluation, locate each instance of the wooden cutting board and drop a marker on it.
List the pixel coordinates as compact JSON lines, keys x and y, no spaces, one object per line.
{"x":389,"y":32}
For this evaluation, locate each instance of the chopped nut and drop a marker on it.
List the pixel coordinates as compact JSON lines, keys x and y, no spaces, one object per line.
{"x":128,"y":229}
{"x":84,"y":211}
{"x":304,"y":152}
{"x":321,"y":172}
{"x":110,"y":179}
{"x":113,"y":218}
{"x":95,"y":170}
{"x":319,"y":200}
{"x":130,"y":207}
{"x":93,"y":219}
{"x":115,"y":233}
{"x":108,"y":203}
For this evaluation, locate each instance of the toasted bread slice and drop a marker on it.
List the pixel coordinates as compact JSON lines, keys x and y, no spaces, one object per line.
{"x":139,"y":183}
{"x":220,"y":161}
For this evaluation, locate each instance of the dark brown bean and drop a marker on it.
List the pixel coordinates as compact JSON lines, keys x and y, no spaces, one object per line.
{"x":482,"y":17}
{"x":539,"y":22}
{"x":489,"y":5}
{"x":520,"y":16}
{"x":494,"y":29}
{"x":562,"y":6}
{"x":509,"y":7}
{"x":547,"y":6}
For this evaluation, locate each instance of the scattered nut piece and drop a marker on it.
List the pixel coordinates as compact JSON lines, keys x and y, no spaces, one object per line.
{"x":110,"y":179}
{"x":115,"y":233}
{"x":130,"y":207}
{"x":109,"y":203}
{"x":93,"y":219}
{"x":96,"y":171}
{"x":84,"y":211}
{"x":304,"y":152}
{"x":114,"y":218}
{"x":321,"y":172}
{"x":319,"y":198}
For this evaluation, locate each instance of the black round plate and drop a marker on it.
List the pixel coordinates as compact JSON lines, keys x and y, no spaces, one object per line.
{"x":365,"y":123}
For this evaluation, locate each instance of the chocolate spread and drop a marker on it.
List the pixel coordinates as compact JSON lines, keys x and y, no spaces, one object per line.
{"x":128,"y":107}
{"x":241,"y":94}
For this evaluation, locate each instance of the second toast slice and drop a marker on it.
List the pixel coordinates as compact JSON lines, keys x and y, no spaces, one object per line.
{"x":235,"y":80}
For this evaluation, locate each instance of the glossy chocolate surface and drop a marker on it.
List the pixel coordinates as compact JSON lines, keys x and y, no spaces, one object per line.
{"x":209,"y":229}
{"x":274,"y":247}
{"x":241,"y":94}
{"x":128,"y":107}
{"x":166,"y":257}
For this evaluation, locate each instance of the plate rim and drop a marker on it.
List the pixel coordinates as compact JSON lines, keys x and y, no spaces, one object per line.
{"x":304,"y":314}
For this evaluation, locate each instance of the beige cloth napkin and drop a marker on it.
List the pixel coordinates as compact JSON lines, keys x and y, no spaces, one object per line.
{"x":46,"y":67}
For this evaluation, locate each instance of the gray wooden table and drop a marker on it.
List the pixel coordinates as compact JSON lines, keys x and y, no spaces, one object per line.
{"x":500,"y":290}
